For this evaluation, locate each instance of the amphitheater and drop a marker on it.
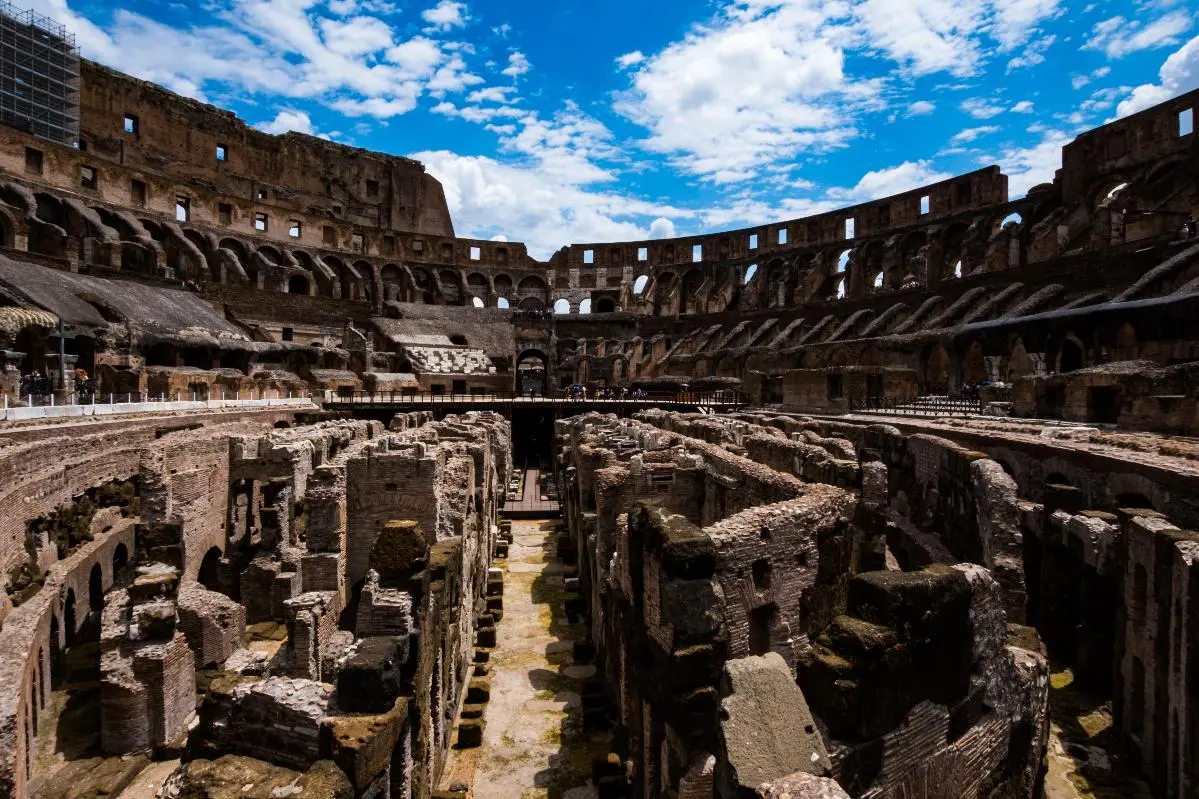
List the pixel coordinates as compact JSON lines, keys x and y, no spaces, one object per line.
{"x":305,"y":496}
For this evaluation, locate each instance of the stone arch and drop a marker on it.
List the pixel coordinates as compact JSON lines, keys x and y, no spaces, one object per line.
{"x":532,"y":371}
{"x":693,"y":281}
{"x":95,"y":588}
{"x":585,"y":306}
{"x":364,"y":281}
{"x":502,"y":284}
{"x":120,"y":559}
{"x":532,"y":287}
{"x":640,"y":283}
{"x":974,"y":364}
{"x":935,"y":370}
{"x":477,"y":285}
{"x":562,"y":306}
{"x":605,"y":305}
{"x":209,"y":574}
{"x":318,"y":272}
{"x":393,"y":284}
{"x":451,"y":286}
{"x":298,"y":283}
{"x":1071,"y":355}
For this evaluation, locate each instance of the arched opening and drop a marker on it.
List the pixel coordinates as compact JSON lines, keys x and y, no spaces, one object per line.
{"x":561,"y":307}
{"x":501,"y":302}
{"x":1011,"y":219}
{"x":605,"y":305}
{"x":957,"y":269}
{"x":95,"y":589}
{"x":843,"y":260}
{"x":532,"y":372}
{"x":531,"y":304}
{"x":298,"y":284}
{"x":585,"y":306}
{"x":640,"y":283}
{"x":1057,"y":479}
{"x":1071,"y":358}
{"x":533,"y":287}
{"x":974,"y":365}
{"x":1134,"y":500}
{"x":841,"y":283}
{"x":6,"y":231}
{"x":477,"y":302}
{"x":120,"y":559}
{"x":749,"y":274}
{"x":210,"y":570}
{"x":936,"y":370}
{"x":459,"y":339}
{"x":68,"y":618}
{"x":878,"y":282}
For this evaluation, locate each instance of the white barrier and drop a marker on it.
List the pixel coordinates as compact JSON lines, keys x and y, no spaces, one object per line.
{"x":105,"y":409}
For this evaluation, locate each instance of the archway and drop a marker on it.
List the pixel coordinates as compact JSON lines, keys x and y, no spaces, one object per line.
{"x":562,"y":307}
{"x":298,"y":284}
{"x":1071,"y":358}
{"x":120,"y":559}
{"x":585,"y":306}
{"x":477,"y":302}
{"x":502,"y":302}
{"x":95,"y":589}
{"x":210,"y":569}
{"x":640,"y":283}
{"x":68,"y":618}
{"x":532,"y":372}
{"x":936,"y":370}
{"x":605,"y":305}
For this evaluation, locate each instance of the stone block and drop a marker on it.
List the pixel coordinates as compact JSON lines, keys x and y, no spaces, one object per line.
{"x":485,"y":636}
{"x":370,"y":679}
{"x":470,"y":733}
{"x":478,"y":691}
{"x":362,"y":746}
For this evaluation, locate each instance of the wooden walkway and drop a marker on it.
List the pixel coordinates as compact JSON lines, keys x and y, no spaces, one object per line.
{"x":530,"y":505}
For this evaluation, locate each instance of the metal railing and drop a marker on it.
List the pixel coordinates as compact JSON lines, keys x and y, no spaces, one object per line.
{"x":646,"y":399}
{"x":929,"y":405}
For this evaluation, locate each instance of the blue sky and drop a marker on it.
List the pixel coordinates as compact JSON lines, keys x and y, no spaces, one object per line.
{"x":564,"y":121}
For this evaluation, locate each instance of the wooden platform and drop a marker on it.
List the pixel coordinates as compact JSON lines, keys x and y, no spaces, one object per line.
{"x":530,"y":505}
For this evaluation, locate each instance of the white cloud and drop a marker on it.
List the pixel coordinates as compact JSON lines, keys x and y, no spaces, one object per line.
{"x":356,"y":36}
{"x":1117,"y":37}
{"x":1029,"y":166}
{"x":488,"y":198}
{"x":661,"y":228}
{"x":970,"y":134}
{"x":1022,"y":107}
{"x":492,"y":94}
{"x":518,"y":64}
{"x":981,"y":108}
{"x":288,"y":120}
{"x":417,"y":56}
{"x":881,"y":183}
{"x":1179,"y":74}
{"x":1032,"y":54}
{"x":920,"y":108}
{"x":630,"y":59}
{"x":753,"y":87}
{"x":446,"y":15}
{"x":375,"y":107}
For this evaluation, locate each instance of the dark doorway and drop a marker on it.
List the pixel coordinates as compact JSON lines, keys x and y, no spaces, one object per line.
{"x":532,"y":437}
{"x":210,"y":570}
{"x":1105,"y":404}
{"x":761,"y":621}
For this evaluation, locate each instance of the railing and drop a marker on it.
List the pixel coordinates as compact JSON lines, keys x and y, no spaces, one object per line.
{"x":929,"y":405}
{"x":707,"y":398}
{"x":139,"y":403}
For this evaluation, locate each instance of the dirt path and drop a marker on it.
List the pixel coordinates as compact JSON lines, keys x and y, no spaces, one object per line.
{"x":533,"y":744}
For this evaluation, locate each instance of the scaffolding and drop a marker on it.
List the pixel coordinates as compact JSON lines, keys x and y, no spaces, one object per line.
{"x":39,"y":75}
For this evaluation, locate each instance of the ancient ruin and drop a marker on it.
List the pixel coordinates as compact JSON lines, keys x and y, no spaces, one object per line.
{"x":308,"y":497}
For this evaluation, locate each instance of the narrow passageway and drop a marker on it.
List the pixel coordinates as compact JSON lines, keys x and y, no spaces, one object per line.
{"x":534,"y":746}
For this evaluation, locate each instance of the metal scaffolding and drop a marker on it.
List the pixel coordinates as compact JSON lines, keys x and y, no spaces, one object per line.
{"x":39,"y":75}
